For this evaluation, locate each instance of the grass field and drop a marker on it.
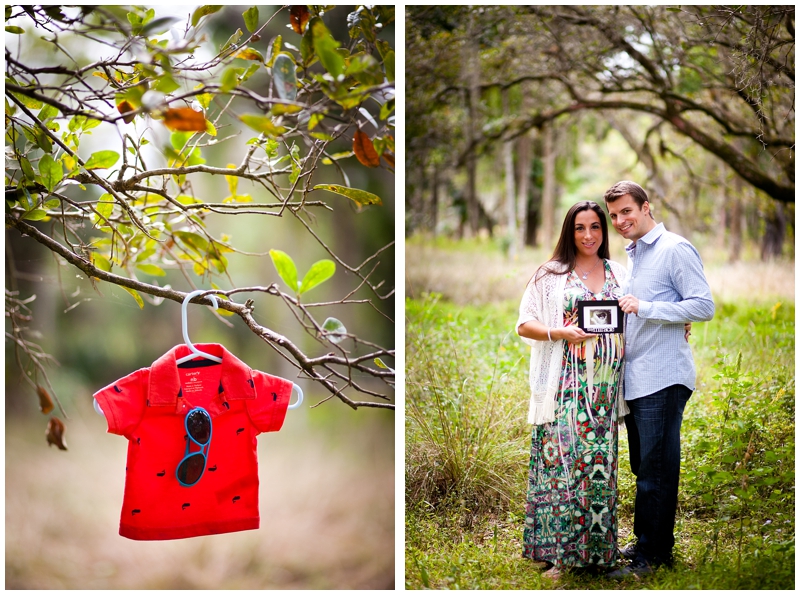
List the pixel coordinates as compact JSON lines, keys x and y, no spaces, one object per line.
{"x":467,"y":446}
{"x":327,"y":512}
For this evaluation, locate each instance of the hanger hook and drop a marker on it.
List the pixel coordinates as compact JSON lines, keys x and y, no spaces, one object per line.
{"x":184,"y":323}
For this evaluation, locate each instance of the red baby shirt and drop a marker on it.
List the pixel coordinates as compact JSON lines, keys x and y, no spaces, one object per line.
{"x":148,"y":407}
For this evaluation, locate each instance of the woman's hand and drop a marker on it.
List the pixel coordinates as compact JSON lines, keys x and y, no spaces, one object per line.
{"x":571,"y":334}
{"x":687,"y":330}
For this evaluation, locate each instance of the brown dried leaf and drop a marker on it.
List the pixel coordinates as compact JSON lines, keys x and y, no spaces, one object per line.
{"x":124,"y":107}
{"x":185,"y":119}
{"x":298,"y":17}
{"x":55,"y":433}
{"x":365,"y":150}
{"x":389,"y":158}
{"x":45,"y":402}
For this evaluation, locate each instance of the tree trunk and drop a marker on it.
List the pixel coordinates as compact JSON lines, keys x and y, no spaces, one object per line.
{"x":549,"y":190}
{"x":736,"y":216}
{"x":774,"y":233}
{"x":434,"y":215}
{"x":511,"y":211}
{"x":523,"y":175}
{"x":472,"y":74}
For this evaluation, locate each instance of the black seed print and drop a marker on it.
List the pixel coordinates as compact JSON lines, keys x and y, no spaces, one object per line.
{"x":220,"y":390}
{"x":214,"y":468}
{"x":185,"y":506}
{"x":274,"y":397}
{"x":250,"y":380}
{"x":138,"y":441}
{"x":135,"y":511}
{"x":239,"y":431}
{"x":226,"y":404}
{"x":235,"y":499}
{"x":116,"y":388}
{"x":162,"y":474}
{"x":180,"y":393}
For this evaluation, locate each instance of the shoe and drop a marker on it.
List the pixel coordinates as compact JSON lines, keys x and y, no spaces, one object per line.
{"x":638,"y":568}
{"x":628,"y":552}
{"x":553,"y":574}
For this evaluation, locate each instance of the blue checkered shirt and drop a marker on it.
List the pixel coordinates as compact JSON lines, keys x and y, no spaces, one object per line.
{"x":666,"y":274}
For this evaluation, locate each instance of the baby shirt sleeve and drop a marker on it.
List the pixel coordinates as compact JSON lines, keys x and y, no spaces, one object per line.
{"x":268,"y":410}
{"x":123,"y":402}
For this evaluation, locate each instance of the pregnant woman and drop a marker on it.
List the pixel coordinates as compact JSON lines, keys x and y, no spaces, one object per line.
{"x":571,"y":512}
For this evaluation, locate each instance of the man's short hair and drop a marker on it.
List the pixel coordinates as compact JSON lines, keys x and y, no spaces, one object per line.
{"x":620,"y":189}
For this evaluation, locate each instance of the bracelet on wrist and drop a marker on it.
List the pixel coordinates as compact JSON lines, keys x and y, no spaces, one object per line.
{"x":549,"y":338}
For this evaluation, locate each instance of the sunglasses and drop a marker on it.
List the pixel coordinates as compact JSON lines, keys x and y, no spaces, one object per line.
{"x":198,"y":430}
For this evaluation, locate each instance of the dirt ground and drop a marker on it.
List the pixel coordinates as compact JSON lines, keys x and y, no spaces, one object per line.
{"x":327,"y":512}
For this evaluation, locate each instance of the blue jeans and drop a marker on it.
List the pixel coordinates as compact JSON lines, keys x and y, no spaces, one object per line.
{"x":654,"y":438}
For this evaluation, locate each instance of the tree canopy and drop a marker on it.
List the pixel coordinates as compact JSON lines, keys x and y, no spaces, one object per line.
{"x":288,"y":120}
{"x":720,"y":77}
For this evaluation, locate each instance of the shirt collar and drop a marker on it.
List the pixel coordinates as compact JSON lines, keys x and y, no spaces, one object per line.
{"x":236,"y":378}
{"x":649,"y":238}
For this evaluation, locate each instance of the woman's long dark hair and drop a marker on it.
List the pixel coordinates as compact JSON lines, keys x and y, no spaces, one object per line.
{"x":566,"y":253}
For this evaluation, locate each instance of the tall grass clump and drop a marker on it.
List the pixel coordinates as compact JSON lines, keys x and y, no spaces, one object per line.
{"x":465,"y":412}
{"x":738,"y":473}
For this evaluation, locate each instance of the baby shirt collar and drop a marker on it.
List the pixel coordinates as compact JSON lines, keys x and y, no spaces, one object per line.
{"x":236,"y":379}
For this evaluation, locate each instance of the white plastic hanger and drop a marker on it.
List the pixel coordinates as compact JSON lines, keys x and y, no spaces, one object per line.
{"x":185,"y":327}
{"x":196,"y":352}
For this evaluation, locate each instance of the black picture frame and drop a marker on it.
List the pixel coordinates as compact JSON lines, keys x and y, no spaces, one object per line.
{"x":600,"y":316}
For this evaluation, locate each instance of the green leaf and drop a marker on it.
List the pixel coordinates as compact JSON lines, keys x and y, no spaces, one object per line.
{"x":204,"y":11}
{"x":27,"y":201}
{"x":284,"y":75}
{"x":51,"y":171}
{"x":158,"y":26}
{"x":193,"y":241}
{"x":102,"y":160}
{"x":325,"y":47}
{"x":251,"y":18}
{"x":262,"y":124}
{"x":151,"y":269}
{"x":136,"y":296}
{"x":379,"y":362}
{"x":280,"y":109}
{"x":230,"y":79}
{"x":360,"y":197}
{"x":35,"y":215}
{"x":15,"y":30}
{"x":105,"y":206}
{"x":27,"y":169}
{"x":232,"y":40}
{"x":233,"y":181}
{"x":335,"y":330}
{"x":388,"y":63}
{"x":101,"y":262}
{"x":166,"y":84}
{"x":319,"y":272}
{"x":285,"y":267}
{"x":274,"y":50}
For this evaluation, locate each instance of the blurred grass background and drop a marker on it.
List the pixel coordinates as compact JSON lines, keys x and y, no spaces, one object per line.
{"x":326,"y":501}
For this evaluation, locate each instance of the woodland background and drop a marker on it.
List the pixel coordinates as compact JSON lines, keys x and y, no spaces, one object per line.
{"x":514,"y":113}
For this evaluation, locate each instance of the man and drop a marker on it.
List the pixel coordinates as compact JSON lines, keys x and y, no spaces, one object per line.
{"x":665,"y":288}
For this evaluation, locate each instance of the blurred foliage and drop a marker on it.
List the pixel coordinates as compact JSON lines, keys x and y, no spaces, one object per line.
{"x":154,"y":148}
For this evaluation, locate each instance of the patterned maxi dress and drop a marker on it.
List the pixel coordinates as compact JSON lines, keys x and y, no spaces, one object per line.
{"x":571,"y":512}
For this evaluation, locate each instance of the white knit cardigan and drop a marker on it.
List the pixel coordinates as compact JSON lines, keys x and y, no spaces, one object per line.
{"x":543,"y":302}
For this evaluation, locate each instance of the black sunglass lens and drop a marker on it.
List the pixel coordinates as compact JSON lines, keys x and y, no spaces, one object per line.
{"x":199,"y":425}
{"x":191,"y":468}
